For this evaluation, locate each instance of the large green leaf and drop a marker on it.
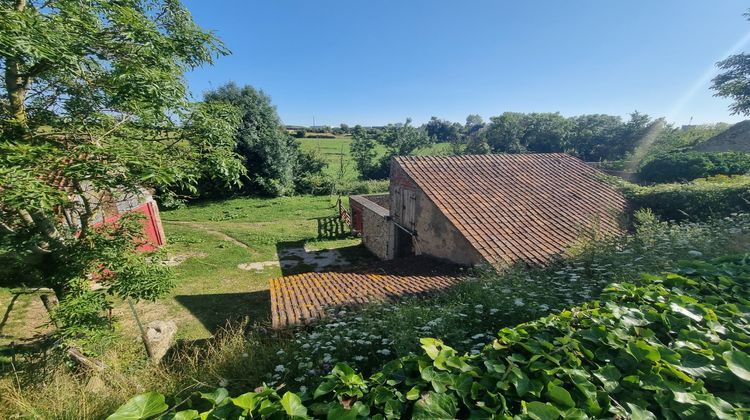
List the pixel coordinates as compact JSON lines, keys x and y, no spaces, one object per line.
{"x":183,"y":415}
{"x":638,"y":413}
{"x":141,"y":406}
{"x":435,"y":406}
{"x":248,"y":401}
{"x":542,"y":411}
{"x":560,"y":396}
{"x":739,"y":363}
{"x":216,"y":396}
{"x":293,"y":406}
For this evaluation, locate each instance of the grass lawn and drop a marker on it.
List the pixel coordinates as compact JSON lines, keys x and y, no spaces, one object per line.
{"x":214,"y":239}
{"x":210,"y":241}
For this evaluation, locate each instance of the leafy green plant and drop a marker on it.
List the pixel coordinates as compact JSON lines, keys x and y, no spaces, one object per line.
{"x":69,"y":154}
{"x":672,"y":345}
{"x":701,"y":199}
{"x":687,"y":166}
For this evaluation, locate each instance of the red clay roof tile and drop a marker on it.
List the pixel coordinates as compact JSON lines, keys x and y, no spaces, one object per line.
{"x":524,"y":207}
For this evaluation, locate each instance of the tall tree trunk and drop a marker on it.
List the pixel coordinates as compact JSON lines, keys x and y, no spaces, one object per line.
{"x":16,"y":84}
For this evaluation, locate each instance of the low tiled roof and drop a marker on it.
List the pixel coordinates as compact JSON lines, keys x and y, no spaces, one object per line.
{"x":304,"y":297}
{"x":521,"y":207}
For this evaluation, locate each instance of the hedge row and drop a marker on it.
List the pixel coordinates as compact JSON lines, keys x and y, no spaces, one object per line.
{"x":668,"y":346}
{"x":687,"y":166}
{"x":694,"y":201}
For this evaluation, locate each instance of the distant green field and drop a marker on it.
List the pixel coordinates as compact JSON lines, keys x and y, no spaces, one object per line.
{"x":337,"y":154}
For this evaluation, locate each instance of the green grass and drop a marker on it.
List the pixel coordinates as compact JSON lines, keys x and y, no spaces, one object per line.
{"x":211,"y":240}
{"x":211,"y":290}
{"x":336,"y":153}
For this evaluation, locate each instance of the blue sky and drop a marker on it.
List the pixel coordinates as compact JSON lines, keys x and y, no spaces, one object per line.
{"x":380,"y":61}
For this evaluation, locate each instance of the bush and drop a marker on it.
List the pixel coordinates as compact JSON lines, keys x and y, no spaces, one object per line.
{"x":309,"y":177}
{"x":321,"y":136}
{"x":369,"y":186}
{"x":672,"y":346}
{"x":365,"y":339}
{"x":699,"y":200}
{"x":687,"y":166}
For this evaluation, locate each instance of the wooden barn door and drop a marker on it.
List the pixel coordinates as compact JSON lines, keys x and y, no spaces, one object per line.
{"x":409,"y":198}
{"x":405,"y":206}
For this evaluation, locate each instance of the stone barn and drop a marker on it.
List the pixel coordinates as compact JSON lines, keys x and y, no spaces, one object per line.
{"x":487,"y":209}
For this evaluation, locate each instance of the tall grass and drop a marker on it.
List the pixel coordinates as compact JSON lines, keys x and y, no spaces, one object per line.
{"x":242,"y":357}
{"x":51,"y":388}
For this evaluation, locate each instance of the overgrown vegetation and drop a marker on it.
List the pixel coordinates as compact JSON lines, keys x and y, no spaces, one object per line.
{"x":701,"y":199}
{"x":366,"y":339}
{"x":670,"y":345}
{"x":95,"y":110}
{"x":687,"y":166}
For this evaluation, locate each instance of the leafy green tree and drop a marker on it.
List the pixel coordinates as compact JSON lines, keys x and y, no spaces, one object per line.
{"x":546,"y":132}
{"x":95,"y":108}
{"x":364,"y":152}
{"x":440,"y":131}
{"x":397,"y":140}
{"x":505,"y":133}
{"x":269,"y":152}
{"x":474,"y":123}
{"x":403,"y":139}
{"x":594,"y":135}
{"x":734,"y":81}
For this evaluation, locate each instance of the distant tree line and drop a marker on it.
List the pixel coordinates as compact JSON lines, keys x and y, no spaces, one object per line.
{"x":594,"y":137}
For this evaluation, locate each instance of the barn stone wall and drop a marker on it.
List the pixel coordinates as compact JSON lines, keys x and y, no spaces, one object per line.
{"x":373,"y":222}
{"x":435,"y":235}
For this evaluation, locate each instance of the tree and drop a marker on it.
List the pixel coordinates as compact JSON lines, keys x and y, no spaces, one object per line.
{"x":545,"y":132}
{"x":440,"y":131}
{"x":364,"y":152}
{"x":344,"y":128}
{"x":403,"y":139}
{"x":268,"y":150}
{"x":734,"y":81}
{"x":505,"y":133}
{"x":96,"y":107}
{"x":594,"y":136}
{"x":474,"y":123}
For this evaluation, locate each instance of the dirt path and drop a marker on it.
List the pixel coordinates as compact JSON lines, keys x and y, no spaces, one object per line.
{"x":221,"y":235}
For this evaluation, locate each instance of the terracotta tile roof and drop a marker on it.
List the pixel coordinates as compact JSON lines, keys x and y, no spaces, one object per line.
{"x":304,"y":297}
{"x":522,"y":207}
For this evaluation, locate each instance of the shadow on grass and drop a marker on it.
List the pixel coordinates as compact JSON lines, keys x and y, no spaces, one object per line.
{"x":215,"y":310}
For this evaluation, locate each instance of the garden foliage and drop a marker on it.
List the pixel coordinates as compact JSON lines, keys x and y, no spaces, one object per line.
{"x":701,"y":199}
{"x":673,"y":345}
{"x":274,"y":164}
{"x":95,"y":109}
{"x":687,"y":166}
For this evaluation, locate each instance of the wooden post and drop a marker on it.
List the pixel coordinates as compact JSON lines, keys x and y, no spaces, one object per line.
{"x":144,"y":337}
